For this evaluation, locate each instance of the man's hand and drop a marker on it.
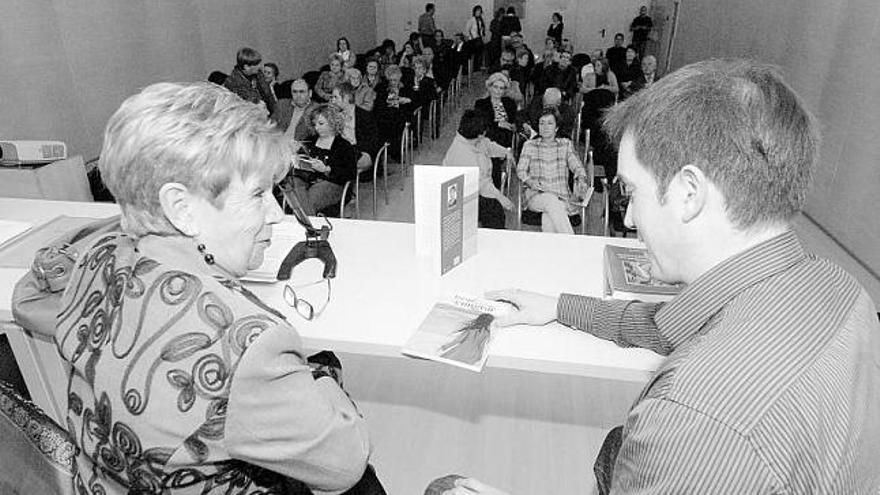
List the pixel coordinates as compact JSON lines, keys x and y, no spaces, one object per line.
{"x":470,"y":486}
{"x":531,"y":308}
{"x":506,"y":203}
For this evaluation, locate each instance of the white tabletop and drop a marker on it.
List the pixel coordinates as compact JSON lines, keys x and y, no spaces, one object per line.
{"x":382,"y":291}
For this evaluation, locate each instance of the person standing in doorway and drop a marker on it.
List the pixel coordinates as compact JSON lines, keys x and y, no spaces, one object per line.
{"x":641,"y":27}
{"x":426,"y":25}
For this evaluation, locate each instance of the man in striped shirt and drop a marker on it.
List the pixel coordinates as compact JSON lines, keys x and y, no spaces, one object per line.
{"x":772,"y":380}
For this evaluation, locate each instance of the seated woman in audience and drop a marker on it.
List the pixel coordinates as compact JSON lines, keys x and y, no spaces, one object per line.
{"x":387,"y":55}
{"x":603,"y":76}
{"x":424,"y":88}
{"x":204,"y":388}
{"x":270,"y":73}
{"x":405,"y":57}
{"x":359,"y":127}
{"x":500,"y":114}
{"x":332,"y":161}
{"x":524,"y":65}
{"x":364,"y":96}
{"x":544,"y":167}
{"x":631,"y":70}
{"x":329,"y":79}
{"x":343,"y":49}
{"x":393,"y":108}
{"x":372,"y":74}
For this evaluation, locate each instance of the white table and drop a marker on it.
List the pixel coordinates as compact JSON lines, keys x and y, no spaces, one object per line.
{"x":382,"y":291}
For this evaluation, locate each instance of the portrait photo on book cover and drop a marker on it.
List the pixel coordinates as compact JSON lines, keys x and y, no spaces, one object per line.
{"x":452,"y":196}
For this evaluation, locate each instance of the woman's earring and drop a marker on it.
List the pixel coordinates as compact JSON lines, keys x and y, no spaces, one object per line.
{"x":209,"y":258}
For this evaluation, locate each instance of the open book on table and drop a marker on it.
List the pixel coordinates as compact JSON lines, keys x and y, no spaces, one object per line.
{"x":457,"y":331}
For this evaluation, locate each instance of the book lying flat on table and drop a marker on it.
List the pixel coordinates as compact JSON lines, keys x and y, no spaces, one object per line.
{"x":628,"y":276}
{"x":457,"y":331}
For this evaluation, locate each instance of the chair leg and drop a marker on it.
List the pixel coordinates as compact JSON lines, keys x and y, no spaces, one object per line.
{"x":357,"y":196}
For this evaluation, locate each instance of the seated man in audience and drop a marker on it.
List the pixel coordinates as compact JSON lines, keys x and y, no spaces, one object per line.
{"x":459,"y":55}
{"x":546,"y":66}
{"x":295,"y":118}
{"x":562,"y":75}
{"x":247,"y":79}
{"x":471,"y":148}
{"x":646,"y":78}
{"x":551,"y":99}
{"x":359,"y":127}
{"x":771,"y":382}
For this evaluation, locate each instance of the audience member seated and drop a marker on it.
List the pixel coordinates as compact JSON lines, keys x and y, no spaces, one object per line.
{"x":546,"y":66}
{"x":544,"y":167}
{"x":247,"y":80}
{"x":329,"y":79}
{"x":616,"y":55}
{"x":343,"y":49}
{"x":359,"y":127}
{"x":319,"y":180}
{"x":550,"y":100}
{"x":424,"y":89}
{"x":294,"y":116}
{"x":372,"y":74}
{"x":631,"y":70}
{"x":204,"y":388}
{"x":393,"y":108}
{"x":441,"y":64}
{"x":415,"y":39}
{"x":517,"y":43}
{"x":459,"y":55}
{"x":405,"y":57}
{"x":471,"y":148}
{"x":270,"y":73}
{"x":500,"y":114}
{"x":646,"y":78}
{"x":475,"y":32}
{"x":563,"y":76}
{"x":364,"y":96}
{"x":387,"y":55}
{"x":603,"y":77}
{"x":507,"y":62}
{"x":524,"y":66}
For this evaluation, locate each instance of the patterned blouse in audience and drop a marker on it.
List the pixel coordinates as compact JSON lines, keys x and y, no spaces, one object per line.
{"x":373,"y":75}
{"x":330,"y":78}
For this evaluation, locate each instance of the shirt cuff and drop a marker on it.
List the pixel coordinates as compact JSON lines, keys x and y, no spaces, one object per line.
{"x":575,"y":311}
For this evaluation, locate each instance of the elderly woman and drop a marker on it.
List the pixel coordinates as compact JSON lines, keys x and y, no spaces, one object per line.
{"x":500,"y":112}
{"x":181,"y":379}
{"x":544,"y":166}
{"x":364,"y":95}
{"x":372,"y":73}
{"x":394,"y":104}
{"x":332,"y":161}
{"x":330,"y":78}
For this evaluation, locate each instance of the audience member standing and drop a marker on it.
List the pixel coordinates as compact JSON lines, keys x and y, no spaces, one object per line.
{"x":426,"y":25}
{"x":616,"y":55}
{"x":471,"y":148}
{"x":247,"y":79}
{"x":495,"y":40}
{"x":343,"y":49}
{"x":556,"y":27}
{"x":475,"y":30}
{"x":510,"y":23}
{"x":641,"y":27}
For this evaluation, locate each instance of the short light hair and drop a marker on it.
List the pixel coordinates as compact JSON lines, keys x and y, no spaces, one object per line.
{"x":391,"y":70}
{"x":739,"y":122}
{"x":337,"y":57}
{"x":329,"y":112}
{"x":199,"y":135}
{"x":422,"y":60}
{"x":247,"y":56}
{"x":495,"y":77}
{"x":352,"y":71}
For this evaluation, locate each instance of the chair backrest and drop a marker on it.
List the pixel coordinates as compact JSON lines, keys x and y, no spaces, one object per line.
{"x":283,"y":90}
{"x":217,"y":77}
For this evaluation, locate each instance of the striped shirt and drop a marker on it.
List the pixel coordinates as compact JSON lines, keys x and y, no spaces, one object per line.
{"x":549,"y":164}
{"x":771,"y":384}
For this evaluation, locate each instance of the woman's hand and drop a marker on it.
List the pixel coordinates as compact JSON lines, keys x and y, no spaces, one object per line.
{"x":319,"y":166}
{"x":404,"y":100}
{"x":532,"y":308}
{"x":505,"y":125}
{"x":506,"y":203}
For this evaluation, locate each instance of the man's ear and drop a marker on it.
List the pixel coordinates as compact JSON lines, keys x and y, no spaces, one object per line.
{"x":693,"y":189}
{"x":178,"y":207}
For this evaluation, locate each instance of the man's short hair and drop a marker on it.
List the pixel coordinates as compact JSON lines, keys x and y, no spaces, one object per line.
{"x":429,"y":7}
{"x":196,"y":134}
{"x":739,"y":122}
{"x":472,"y":124}
{"x":511,"y":10}
{"x":619,"y":35}
{"x":247,"y":56}
{"x":551,"y":97}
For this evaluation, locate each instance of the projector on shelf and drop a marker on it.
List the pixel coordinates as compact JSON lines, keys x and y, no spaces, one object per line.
{"x":14,"y":153}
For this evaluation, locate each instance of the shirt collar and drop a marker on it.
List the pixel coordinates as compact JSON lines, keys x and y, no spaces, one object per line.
{"x":683,"y":317}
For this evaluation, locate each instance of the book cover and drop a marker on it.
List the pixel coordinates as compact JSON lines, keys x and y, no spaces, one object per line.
{"x":457,"y":331}
{"x":445,"y":214}
{"x":628,"y":276}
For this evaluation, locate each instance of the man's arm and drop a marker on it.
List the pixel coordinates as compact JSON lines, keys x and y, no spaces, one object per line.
{"x":670,"y":447}
{"x":626,"y":323}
